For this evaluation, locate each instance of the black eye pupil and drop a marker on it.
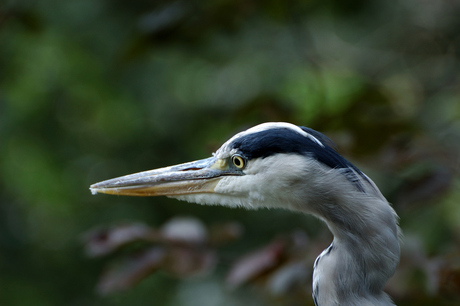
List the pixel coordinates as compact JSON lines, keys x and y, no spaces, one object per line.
{"x":238,"y":161}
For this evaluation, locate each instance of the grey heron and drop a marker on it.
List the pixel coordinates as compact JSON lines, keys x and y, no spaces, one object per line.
{"x":296,"y":168}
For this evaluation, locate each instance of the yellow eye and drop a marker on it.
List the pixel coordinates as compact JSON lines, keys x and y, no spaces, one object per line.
{"x":238,"y":161}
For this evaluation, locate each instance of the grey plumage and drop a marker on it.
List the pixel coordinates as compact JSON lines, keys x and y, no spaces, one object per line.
{"x":285,"y":166}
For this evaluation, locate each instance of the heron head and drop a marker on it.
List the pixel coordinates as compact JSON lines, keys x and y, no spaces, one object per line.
{"x":269,"y":165}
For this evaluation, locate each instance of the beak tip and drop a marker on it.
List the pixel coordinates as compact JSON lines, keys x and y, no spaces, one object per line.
{"x":94,"y":190}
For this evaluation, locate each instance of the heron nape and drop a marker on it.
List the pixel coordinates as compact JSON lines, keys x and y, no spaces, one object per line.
{"x":296,"y":168}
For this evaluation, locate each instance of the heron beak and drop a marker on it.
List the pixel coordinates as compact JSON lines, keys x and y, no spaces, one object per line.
{"x":199,"y":176}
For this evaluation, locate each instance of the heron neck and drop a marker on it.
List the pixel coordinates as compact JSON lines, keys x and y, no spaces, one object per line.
{"x":363,"y":255}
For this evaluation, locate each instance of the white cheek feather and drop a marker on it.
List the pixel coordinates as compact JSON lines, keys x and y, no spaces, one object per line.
{"x":265,"y":182}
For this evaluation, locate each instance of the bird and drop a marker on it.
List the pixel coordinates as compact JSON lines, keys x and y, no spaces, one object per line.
{"x":282,"y":165}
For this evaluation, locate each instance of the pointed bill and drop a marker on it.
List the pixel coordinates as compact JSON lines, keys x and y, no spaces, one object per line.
{"x":199,"y":176}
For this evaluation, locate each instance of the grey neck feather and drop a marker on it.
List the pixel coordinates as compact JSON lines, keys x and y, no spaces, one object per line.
{"x":365,"y":250}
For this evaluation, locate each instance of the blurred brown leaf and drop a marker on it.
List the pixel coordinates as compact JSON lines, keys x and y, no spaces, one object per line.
{"x":255,"y":264}
{"x":102,"y":241}
{"x":225,"y":233}
{"x":449,"y":277}
{"x":186,"y":261}
{"x":131,"y":271}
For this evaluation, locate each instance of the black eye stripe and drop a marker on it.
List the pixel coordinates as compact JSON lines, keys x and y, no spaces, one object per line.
{"x":281,"y":140}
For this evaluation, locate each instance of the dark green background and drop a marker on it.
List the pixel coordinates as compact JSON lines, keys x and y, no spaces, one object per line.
{"x":91,"y":90}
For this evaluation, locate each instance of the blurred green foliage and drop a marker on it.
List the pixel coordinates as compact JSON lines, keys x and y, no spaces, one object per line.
{"x":91,"y":90}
